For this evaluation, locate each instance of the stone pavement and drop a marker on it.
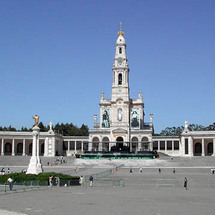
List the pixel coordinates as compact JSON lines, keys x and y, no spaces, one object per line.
{"x":147,"y":193}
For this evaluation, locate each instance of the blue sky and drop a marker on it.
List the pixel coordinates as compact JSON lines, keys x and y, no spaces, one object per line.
{"x":56,"y":58}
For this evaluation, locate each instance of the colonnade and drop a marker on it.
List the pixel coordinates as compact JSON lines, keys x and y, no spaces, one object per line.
{"x":18,"y":146}
{"x":74,"y":146}
{"x":200,"y":146}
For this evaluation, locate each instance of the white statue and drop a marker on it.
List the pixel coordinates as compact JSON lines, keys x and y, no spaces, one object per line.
{"x":50,"y":126}
{"x":120,"y":114}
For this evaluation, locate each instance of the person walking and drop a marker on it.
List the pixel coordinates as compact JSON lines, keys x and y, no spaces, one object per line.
{"x":10,"y":182}
{"x":81,"y":181}
{"x":91,"y":180}
{"x":50,"y":181}
{"x":185,"y":183}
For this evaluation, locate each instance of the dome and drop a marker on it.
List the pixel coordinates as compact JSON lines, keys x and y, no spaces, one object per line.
{"x":120,"y":39}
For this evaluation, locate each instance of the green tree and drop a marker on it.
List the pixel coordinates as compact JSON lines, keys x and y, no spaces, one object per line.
{"x":42,"y":127}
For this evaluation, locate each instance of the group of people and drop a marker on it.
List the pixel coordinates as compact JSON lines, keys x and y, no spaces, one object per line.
{"x":2,"y":172}
{"x":57,"y":161}
{"x":81,"y":180}
{"x":140,"y":170}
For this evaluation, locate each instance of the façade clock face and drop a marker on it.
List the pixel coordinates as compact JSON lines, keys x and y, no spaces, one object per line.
{"x":120,"y":60}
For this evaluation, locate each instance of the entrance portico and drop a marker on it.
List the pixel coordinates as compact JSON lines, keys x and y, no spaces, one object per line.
{"x":198,"y":143}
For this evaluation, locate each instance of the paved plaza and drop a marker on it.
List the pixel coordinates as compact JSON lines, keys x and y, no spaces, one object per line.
{"x":149,"y":192}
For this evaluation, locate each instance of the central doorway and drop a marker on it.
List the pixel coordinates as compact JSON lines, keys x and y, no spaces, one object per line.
{"x":119,"y":144}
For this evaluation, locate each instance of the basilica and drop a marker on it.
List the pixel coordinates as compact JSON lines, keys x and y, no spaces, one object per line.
{"x":120,"y":127}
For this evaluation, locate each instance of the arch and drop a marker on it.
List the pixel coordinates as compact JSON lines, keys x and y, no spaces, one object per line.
{"x":30,"y":149}
{"x":198,"y":149}
{"x":144,"y":144}
{"x":119,"y":143}
{"x":95,"y":144}
{"x":210,"y":149}
{"x":42,"y":149}
{"x":120,"y":50}
{"x":134,"y":144}
{"x":105,"y":144}
{"x":8,"y":148}
{"x":120,"y":79}
{"x":19,"y":148}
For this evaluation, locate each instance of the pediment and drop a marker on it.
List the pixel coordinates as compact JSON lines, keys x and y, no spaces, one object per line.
{"x":119,"y":130}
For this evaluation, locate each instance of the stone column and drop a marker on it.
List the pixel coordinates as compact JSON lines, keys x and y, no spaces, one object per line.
{"x":203,"y":147}
{"x":82,"y":146}
{"x":69,"y":146}
{"x":13,"y":147}
{"x":159,"y":145}
{"x":173,"y":146}
{"x":100,"y":145}
{"x":139,"y":145}
{"x":182,"y":147}
{"x":213,"y":147}
{"x":38,"y":146}
{"x":130,"y":146}
{"x":46,"y":150}
{"x":38,"y":152}
{"x":165,"y":146}
{"x":109,"y":146}
{"x":23,"y":150}
{"x":35,"y":166}
{"x":75,"y":146}
{"x":2,"y":147}
{"x":90,"y":146}
{"x":191,"y":146}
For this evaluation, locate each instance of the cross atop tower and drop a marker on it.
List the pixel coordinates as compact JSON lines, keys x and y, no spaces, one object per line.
{"x":120,"y":26}
{"x":120,"y":29}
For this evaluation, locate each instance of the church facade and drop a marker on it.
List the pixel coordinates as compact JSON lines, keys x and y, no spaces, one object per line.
{"x":120,"y":127}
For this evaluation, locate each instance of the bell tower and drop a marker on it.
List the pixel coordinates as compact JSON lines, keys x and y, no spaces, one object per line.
{"x":120,"y":98}
{"x":120,"y":85}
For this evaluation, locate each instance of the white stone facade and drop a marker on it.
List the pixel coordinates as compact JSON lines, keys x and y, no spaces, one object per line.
{"x":121,"y":126}
{"x":20,"y":143}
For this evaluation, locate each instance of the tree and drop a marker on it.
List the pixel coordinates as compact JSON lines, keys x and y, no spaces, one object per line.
{"x":171,"y":131}
{"x":42,"y":127}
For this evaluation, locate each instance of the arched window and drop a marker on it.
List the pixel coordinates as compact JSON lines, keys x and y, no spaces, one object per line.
{"x":120,"y":79}
{"x":120,"y":50}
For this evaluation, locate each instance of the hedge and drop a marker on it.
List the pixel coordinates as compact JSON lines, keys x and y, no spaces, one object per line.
{"x":42,"y":177}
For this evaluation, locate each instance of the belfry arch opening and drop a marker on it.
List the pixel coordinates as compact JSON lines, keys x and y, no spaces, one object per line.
{"x":120,"y":50}
{"x":120,"y":79}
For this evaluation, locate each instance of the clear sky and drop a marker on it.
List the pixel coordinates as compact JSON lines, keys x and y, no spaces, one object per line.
{"x":56,"y":58}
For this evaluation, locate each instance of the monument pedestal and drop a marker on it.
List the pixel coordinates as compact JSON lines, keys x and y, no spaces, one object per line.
{"x":35,"y":166}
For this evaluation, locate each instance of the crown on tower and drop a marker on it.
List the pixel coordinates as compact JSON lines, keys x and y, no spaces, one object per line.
{"x":120,"y":33}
